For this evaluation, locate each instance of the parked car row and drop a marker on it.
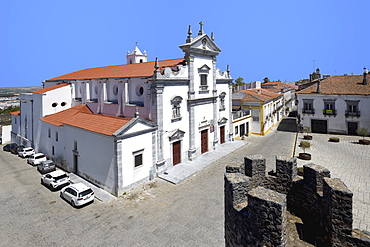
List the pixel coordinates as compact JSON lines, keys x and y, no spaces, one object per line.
{"x":76,"y":194}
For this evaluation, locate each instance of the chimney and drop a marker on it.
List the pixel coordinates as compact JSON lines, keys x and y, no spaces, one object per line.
{"x":318,"y":90}
{"x":365,"y":81}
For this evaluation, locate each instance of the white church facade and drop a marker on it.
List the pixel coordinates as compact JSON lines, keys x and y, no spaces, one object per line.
{"x":118,"y":126}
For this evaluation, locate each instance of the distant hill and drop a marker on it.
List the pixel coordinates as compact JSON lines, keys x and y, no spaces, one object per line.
{"x":10,"y":91}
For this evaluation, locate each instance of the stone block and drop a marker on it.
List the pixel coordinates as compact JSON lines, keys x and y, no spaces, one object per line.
{"x":255,"y":166}
{"x":313,"y":176}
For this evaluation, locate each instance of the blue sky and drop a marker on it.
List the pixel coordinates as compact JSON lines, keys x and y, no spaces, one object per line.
{"x":277,"y":39}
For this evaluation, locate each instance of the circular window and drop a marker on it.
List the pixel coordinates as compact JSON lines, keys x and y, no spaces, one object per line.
{"x":115,"y":89}
{"x":54,"y":104}
{"x":63,"y":104}
{"x":139,"y":90}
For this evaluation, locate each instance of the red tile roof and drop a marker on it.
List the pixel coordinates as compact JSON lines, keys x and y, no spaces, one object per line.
{"x":58,"y":119}
{"x":98,"y":123}
{"x":119,"y":71}
{"x":279,"y":85}
{"x":81,"y":117}
{"x":344,"y":85}
{"x":16,"y":113}
{"x":47,"y":89}
{"x":259,"y":95}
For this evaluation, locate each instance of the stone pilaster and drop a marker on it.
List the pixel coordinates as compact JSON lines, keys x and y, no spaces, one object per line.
{"x":215,"y":108}
{"x":118,"y":168}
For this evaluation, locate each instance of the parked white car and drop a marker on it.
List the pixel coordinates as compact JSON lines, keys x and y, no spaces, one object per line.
{"x":26,"y":152}
{"x":55,"y":179}
{"x":36,"y":159}
{"x":77,"y":194}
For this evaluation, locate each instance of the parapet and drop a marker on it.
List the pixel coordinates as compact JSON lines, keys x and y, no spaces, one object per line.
{"x":256,"y":203}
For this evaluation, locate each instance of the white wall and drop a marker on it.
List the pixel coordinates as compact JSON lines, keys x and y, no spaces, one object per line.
{"x":96,"y":158}
{"x":6,"y":133}
{"x":130,"y":173}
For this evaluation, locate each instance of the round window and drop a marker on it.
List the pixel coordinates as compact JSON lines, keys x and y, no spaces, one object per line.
{"x":63,"y":104}
{"x":54,"y":104}
{"x":139,"y":90}
{"x":115,"y":89}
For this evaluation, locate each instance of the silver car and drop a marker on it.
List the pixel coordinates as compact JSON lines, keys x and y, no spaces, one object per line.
{"x":46,"y":166}
{"x":55,"y":179}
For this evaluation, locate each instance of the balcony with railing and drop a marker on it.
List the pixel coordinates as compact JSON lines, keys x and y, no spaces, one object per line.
{"x":240,"y":114}
{"x":353,"y":113}
{"x":329,"y":112}
{"x":308,"y":111}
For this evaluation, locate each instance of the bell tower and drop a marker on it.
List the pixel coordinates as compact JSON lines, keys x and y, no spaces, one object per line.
{"x":136,"y":56}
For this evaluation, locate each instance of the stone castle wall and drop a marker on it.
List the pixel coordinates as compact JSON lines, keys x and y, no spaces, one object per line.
{"x":256,"y":204}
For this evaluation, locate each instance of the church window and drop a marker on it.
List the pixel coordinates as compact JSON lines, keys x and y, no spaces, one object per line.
{"x":203,"y":82}
{"x":54,"y":104}
{"x":141,"y":60}
{"x":138,"y":158}
{"x":222,"y":101}
{"x":56,"y":136}
{"x":115,"y":89}
{"x":176,"y":102}
{"x":63,"y":104}
{"x":139,"y":90}
{"x":49,"y":133}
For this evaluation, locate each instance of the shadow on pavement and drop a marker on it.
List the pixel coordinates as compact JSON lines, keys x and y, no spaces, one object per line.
{"x":288,"y":125}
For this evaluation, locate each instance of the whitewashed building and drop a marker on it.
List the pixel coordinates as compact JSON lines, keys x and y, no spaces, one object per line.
{"x":120,"y":125}
{"x":337,"y":104}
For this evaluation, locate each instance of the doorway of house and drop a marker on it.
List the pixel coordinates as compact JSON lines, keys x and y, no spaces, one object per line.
{"x":352,"y":128}
{"x":204,"y":141}
{"x":176,"y":152}
{"x":222,"y":134}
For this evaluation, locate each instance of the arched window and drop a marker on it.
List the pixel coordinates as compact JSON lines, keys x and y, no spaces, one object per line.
{"x":176,"y":102}
{"x":115,"y":89}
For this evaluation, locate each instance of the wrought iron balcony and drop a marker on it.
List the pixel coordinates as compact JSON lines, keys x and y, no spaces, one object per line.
{"x":329,"y":112}
{"x":312,"y":111}
{"x":353,"y":113}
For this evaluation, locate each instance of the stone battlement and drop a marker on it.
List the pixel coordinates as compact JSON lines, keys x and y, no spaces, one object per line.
{"x":256,"y":204}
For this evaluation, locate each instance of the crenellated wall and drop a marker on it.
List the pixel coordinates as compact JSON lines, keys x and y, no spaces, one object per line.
{"x":256,"y":204}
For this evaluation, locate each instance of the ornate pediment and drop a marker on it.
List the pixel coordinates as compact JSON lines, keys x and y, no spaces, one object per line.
{"x":222,"y":120}
{"x":176,"y":134}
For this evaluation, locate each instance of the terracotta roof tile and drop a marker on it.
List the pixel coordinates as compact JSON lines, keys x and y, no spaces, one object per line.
{"x":81,"y":117}
{"x":119,"y":71}
{"x":16,"y":113}
{"x":58,"y":119}
{"x":47,"y":89}
{"x":259,"y":95}
{"x":98,"y":123}
{"x":279,"y":85}
{"x":344,"y":85}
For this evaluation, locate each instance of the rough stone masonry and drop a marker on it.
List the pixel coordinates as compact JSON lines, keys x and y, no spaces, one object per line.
{"x":256,"y":204}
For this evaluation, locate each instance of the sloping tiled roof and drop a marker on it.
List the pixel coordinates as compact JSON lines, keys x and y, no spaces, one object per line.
{"x":59,"y":118}
{"x":279,"y":85}
{"x":119,"y":71}
{"x":259,"y":95}
{"x":98,"y":123}
{"x":16,"y":113}
{"x":47,"y":89}
{"x":344,"y":85}
{"x":81,"y":117}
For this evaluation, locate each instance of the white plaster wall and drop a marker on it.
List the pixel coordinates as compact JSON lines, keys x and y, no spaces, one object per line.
{"x":57,"y":96}
{"x":130,"y":174}
{"x":169,"y":92}
{"x":336,"y":123}
{"x":96,"y":156}
{"x":204,"y":111}
{"x":6,"y":133}
{"x":198,"y":63}
{"x":46,"y":143}
{"x":242,"y":121}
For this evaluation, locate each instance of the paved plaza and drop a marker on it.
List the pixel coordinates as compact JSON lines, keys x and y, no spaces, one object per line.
{"x":159,"y":213}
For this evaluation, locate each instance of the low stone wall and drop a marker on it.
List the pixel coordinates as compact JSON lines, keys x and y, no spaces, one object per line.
{"x":256,"y":204}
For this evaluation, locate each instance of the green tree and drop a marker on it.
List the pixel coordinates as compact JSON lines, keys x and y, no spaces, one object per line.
{"x":266,"y":79}
{"x":239,"y":81}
